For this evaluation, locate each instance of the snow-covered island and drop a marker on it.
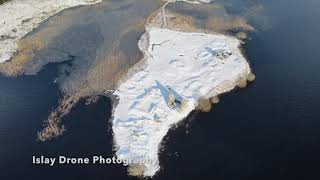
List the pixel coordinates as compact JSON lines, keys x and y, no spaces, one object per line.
{"x":19,"y":17}
{"x":190,"y":66}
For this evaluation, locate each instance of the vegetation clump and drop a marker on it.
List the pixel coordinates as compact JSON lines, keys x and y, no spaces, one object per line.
{"x":251,"y":77}
{"x":23,"y":56}
{"x":223,"y":25}
{"x":204,"y":105}
{"x":242,"y":83}
{"x":136,"y":170}
{"x":52,"y":127}
{"x":241,"y":35}
{"x":214,"y":100}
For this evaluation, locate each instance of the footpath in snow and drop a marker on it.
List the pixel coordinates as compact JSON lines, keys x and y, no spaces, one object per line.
{"x":18,"y":17}
{"x":190,"y":66}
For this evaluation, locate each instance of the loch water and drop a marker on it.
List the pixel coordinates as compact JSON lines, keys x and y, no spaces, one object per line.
{"x":269,"y":130}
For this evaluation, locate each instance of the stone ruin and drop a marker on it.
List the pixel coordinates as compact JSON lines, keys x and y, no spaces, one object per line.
{"x":178,"y":102}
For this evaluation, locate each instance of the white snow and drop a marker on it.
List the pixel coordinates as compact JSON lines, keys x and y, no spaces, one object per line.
{"x":194,"y":1}
{"x":186,"y":62}
{"x":18,"y":17}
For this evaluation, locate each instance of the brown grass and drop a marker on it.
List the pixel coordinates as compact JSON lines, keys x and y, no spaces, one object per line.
{"x":155,"y":19}
{"x":177,"y":21}
{"x":136,"y":170}
{"x":107,"y":73}
{"x":53,"y":127}
{"x":223,"y":25}
{"x":214,"y":100}
{"x":181,"y":22}
{"x":251,"y":77}
{"x":204,"y":105}
{"x":100,"y":78}
{"x":108,"y":68}
{"x":241,"y":35}
{"x":29,"y":45}
{"x":242,"y":83}
{"x":25,"y":53}
{"x":103,"y":76}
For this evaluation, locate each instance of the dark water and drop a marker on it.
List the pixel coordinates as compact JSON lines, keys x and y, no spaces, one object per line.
{"x":270,"y":130}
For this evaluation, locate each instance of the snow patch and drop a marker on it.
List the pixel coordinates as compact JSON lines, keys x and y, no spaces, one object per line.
{"x":188,"y":64}
{"x":195,"y":1}
{"x":18,"y":17}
